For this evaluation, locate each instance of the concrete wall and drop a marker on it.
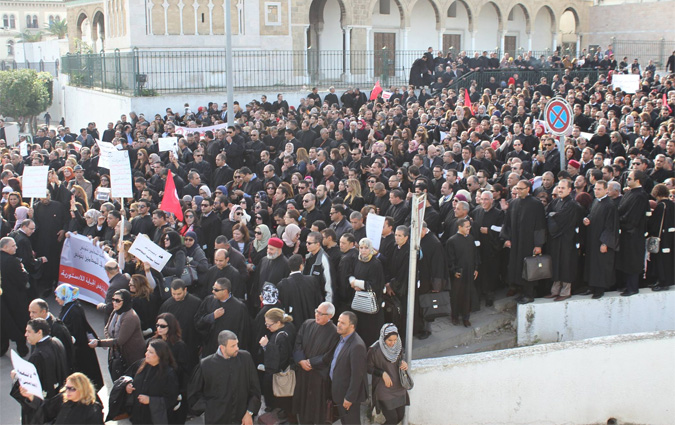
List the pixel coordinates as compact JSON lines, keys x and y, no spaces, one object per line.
{"x":627,"y":377}
{"x":582,"y":317}
{"x":649,"y":21}
{"x":85,"y":105}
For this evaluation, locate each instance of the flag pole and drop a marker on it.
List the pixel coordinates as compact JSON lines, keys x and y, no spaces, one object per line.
{"x":120,"y":243}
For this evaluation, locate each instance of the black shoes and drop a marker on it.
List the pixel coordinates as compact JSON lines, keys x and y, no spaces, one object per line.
{"x":424,"y":335}
{"x":525,"y":300}
{"x":586,"y":292}
{"x":489,"y":303}
{"x":628,"y":293}
{"x":467,"y":324}
{"x":660,"y":288}
{"x":598,"y":295}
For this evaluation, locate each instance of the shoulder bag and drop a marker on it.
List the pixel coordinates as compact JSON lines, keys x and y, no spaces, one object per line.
{"x":435,"y":305}
{"x":405,"y":378}
{"x":283,"y":383}
{"x":654,"y":242}
{"x":365,"y":302}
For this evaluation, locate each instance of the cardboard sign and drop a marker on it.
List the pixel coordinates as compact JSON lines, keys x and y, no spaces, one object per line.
{"x":148,"y":252}
{"x":374,"y":226}
{"x":34,"y":181}
{"x":120,"y":174}
{"x":167,"y":144}
{"x":630,"y":83}
{"x":27,"y":375}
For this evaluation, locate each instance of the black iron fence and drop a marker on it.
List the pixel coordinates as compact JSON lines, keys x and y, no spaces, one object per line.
{"x":41,"y":66}
{"x":502,"y":76}
{"x":644,"y":51}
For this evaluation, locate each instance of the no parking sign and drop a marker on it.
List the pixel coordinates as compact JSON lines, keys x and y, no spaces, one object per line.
{"x":558,"y":116}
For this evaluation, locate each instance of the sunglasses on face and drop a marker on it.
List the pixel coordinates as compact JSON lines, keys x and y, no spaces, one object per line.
{"x":117,"y":300}
{"x":160,"y":326}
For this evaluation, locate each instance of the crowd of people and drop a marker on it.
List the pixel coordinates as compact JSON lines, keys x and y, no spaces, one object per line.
{"x":271,"y":270}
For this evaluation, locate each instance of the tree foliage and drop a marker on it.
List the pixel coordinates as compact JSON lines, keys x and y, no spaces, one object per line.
{"x":24,"y":94}
{"x":58,"y":29}
{"x":28,"y":36}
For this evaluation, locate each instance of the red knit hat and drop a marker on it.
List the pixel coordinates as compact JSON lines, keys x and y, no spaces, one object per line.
{"x":276,"y":242}
{"x":574,"y":163}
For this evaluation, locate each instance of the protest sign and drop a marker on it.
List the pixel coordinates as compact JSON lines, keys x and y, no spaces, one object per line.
{"x":374,"y":226}
{"x":34,"y":181}
{"x":148,"y":252}
{"x":106,"y":149}
{"x":120,"y":174}
{"x":83,"y":265}
{"x":23,"y":148}
{"x":168,"y":144}
{"x":11,"y":134}
{"x":200,"y":130}
{"x":629,"y":83}
{"x":27,"y":375}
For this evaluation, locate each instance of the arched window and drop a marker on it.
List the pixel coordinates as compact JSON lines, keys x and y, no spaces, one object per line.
{"x":35,"y":21}
{"x":452,"y":10}
{"x":29,"y":21}
{"x":51,"y":19}
{"x":12,"y":22}
{"x":57,"y":18}
{"x":5,"y":21}
{"x":10,"y":48}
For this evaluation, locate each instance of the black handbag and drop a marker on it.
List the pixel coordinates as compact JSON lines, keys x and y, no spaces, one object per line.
{"x":537,"y":267}
{"x":435,"y":305}
{"x":116,"y":364}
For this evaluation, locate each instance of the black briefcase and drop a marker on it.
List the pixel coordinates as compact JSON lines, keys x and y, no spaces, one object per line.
{"x":537,"y":267}
{"x":435,"y":305}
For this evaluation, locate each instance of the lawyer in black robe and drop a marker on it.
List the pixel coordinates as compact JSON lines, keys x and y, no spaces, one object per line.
{"x":51,"y":220}
{"x":270,"y":270}
{"x":225,"y":388}
{"x":432,"y":271}
{"x":633,"y":211}
{"x":369,"y":270}
{"x":299,"y":295}
{"x":563,"y":215}
{"x":487,"y":223}
{"x":14,"y":301}
{"x":463,"y":261}
{"x":314,"y":340}
{"x":525,"y":229}
{"x":662,"y":224}
{"x":160,"y":384}
{"x":185,"y":309}
{"x":602,"y":228}
{"x":234,"y":318}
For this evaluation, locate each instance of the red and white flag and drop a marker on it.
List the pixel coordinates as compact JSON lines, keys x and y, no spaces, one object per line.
{"x":170,"y":201}
{"x":376,"y":91}
{"x":386,"y":95}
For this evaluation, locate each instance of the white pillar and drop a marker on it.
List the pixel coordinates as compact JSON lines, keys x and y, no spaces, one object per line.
{"x":578,"y":45}
{"x":211,"y":6}
{"x":502,"y":35}
{"x":529,"y":41}
{"x":195,"y":7}
{"x":555,"y":41}
{"x":440,"y":39}
{"x":369,"y":47}
{"x":473,"y":42}
{"x":181,"y":6}
{"x":404,"y":37}
{"x":348,"y":53}
{"x":165,"y":5}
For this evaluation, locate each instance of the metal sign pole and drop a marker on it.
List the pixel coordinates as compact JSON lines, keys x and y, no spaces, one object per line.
{"x":417,"y":217}
{"x":229,"y":118}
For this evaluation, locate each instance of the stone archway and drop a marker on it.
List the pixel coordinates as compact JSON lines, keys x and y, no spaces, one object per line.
{"x":542,"y":37}
{"x":327,"y":40}
{"x":98,"y":31}
{"x":518,"y":30}
{"x":568,"y":29}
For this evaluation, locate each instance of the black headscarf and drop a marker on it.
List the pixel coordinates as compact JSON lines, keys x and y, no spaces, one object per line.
{"x":176,"y":242}
{"x":126,"y":298}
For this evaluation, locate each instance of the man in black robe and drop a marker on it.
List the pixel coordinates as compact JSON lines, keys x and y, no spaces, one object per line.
{"x":315,"y":339}
{"x":299,"y":294}
{"x":562,"y":219}
{"x":24,"y":249}
{"x":49,"y":359}
{"x":344,"y":291}
{"x":184,"y":306}
{"x":222,"y":311}
{"x":524,"y":231}
{"x":433,"y":273}
{"x":487,"y":223}
{"x":225,"y":385}
{"x":39,"y":309}
{"x":222,"y":268}
{"x":602,"y":241}
{"x":14,"y":298}
{"x":51,"y":220}
{"x":463,"y":260}
{"x":272,"y":268}
{"x":633,"y":211}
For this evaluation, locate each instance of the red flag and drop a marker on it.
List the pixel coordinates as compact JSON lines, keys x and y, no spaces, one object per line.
{"x":170,"y":202}
{"x":665,"y":103}
{"x":467,"y":99}
{"x":376,"y":91}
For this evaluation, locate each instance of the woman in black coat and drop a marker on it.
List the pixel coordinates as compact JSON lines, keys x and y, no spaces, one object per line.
{"x":73,"y":316}
{"x":368,"y":275}
{"x":155,"y":387}
{"x":661,"y":225}
{"x":169,"y":331}
{"x":173,"y":243}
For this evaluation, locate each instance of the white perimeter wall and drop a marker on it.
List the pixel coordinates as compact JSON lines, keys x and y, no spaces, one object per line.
{"x":627,"y":377}
{"x":583,"y":317}
{"x":83,"y":105}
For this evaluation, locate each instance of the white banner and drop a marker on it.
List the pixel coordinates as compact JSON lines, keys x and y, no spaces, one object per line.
{"x":27,"y":375}
{"x":23,"y":149}
{"x":11,"y":134}
{"x":200,"y":130}
{"x":167,"y":144}
{"x":34,"y":181}
{"x":374,"y":226}
{"x":629,"y":83}
{"x":106,"y":149}
{"x":83,"y":265}
{"x":147,"y":251}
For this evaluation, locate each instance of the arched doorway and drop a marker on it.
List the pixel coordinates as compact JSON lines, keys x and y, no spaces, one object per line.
{"x":487,"y":32}
{"x":326,"y":40}
{"x":84,"y":42}
{"x":516,"y":39}
{"x":388,"y":19}
{"x":458,"y":27}
{"x":424,"y":25}
{"x":542,"y":37}
{"x":568,"y":29}
{"x":98,"y":32}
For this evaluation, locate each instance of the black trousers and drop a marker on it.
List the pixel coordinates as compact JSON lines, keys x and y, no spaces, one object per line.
{"x":393,"y":416}
{"x":351,"y":416}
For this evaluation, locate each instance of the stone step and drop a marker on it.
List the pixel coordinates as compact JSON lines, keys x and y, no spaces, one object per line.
{"x":500,"y":340}
{"x":445,"y":336}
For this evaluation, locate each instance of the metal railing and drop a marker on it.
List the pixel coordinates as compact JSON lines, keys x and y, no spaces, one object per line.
{"x":644,"y":51}
{"x":501,"y":76}
{"x":147,"y":73}
{"x":41,"y":66}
